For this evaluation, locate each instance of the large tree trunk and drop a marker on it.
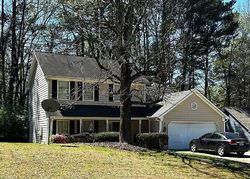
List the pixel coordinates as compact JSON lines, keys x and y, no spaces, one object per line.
{"x":125,"y":108}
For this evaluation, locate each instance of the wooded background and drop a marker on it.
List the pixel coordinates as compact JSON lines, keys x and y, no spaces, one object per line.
{"x":179,"y":45}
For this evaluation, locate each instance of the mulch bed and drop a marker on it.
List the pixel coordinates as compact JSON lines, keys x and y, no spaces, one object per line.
{"x":118,"y":145}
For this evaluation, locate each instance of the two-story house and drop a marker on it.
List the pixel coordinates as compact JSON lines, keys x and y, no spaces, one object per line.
{"x":89,"y":99}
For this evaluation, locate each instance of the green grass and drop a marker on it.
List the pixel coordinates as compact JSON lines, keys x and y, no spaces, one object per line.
{"x":42,"y":161}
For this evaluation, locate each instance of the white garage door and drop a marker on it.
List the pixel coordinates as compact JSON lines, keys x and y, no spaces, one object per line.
{"x":180,"y":134}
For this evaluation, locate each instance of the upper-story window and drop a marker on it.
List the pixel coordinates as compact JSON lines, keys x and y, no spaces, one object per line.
{"x":88,"y":92}
{"x":138,"y":93}
{"x":63,"y":90}
{"x":114,"y":92}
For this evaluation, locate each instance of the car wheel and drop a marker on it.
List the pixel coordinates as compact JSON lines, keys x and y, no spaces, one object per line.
{"x":221,"y":150}
{"x":193,"y":147}
{"x":240,"y":154}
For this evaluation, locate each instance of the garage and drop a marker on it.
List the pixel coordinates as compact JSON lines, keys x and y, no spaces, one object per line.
{"x":187,"y":115}
{"x":180,"y":134}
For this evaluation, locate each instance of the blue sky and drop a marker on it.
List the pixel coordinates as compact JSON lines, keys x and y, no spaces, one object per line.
{"x":240,"y":3}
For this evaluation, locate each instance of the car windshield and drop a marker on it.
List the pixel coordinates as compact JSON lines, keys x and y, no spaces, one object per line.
{"x":231,"y":135}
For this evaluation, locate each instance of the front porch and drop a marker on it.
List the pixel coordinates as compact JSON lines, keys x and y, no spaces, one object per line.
{"x":73,"y":126}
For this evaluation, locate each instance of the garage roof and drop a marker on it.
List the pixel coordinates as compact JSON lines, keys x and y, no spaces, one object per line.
{"x":174,"y":99}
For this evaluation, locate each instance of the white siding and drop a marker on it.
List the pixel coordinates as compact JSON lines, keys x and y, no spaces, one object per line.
{"x":38,"y":117}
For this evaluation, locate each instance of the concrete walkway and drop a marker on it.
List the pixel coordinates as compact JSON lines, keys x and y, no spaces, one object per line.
{"x":233,"y":157}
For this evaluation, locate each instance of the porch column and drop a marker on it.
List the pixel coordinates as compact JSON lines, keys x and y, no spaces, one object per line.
{"x":80,"y":125}
{"x":107,"y":125}
{"x":160,"y":126}
{"x":139,"y":126}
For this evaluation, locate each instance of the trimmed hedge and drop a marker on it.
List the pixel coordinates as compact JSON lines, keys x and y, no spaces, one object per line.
{"x":83,"y":137}
{"x":95,"y":137}
{"x":157,"y":141}
{"x":106,"y":137}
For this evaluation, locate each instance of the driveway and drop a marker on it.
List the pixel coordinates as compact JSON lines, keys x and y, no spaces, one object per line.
{"x":233,"y":157}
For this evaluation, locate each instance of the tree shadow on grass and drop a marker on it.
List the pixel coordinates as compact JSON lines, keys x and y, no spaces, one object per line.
{"x":237,"y":168}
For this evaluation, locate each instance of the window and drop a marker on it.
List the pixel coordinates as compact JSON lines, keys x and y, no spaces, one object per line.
{"x":206,"y":136}
{"x":114,"y":126}
{"x":88,"y":92}
{"x":215,"y":136}
{"x":137,"y":93}
{"x":79,"y":91}
{"x":87,"y":126}
{"x":114,"y":92}
{"x":63,"y":127}
{"x":63,"y":90}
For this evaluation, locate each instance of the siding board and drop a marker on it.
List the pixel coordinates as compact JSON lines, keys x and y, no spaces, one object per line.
{"x":38,"y":117}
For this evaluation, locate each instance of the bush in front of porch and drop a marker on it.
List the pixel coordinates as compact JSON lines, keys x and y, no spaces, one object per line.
{"x":157,"y":141}
{"x":95,"y":137}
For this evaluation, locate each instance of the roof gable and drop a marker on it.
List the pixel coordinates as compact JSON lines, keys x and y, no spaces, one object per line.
{"x":240,"y":115}
{"x":175,"y":99}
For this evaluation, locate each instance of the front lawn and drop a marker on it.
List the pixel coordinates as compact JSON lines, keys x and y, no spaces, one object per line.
{"x":54,"y":161}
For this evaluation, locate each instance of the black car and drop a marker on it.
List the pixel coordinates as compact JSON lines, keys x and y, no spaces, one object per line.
{"x":221,"y":143}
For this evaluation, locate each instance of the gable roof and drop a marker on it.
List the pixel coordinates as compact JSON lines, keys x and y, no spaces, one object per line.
{"x":240,"y":115}
{"x":55,"y":65}
{"x":68,"y":66}
{"x":172,"y":100}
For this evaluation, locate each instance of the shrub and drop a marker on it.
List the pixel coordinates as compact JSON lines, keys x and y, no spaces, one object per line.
{"x":152,"y":140}
{"x":106,"y":136}
{"x":83,"y":137}
{"x":95,"y":137}
{"x":59,"y":138}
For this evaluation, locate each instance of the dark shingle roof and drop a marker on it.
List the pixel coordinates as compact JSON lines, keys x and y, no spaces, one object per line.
{"x":56,"y":65}
{"x":68,"y":66}
{"x":105,"y":111}
{"x":242,"y":115}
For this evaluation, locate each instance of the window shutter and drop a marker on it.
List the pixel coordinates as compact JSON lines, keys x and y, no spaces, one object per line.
{"x":54,"y":89}
{"x":72,"y":90}
{"x":111,"y":92}
{"x":96,"y":95}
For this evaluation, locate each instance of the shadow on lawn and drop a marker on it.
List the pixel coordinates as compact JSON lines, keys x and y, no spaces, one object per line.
{"x":241,"y":169}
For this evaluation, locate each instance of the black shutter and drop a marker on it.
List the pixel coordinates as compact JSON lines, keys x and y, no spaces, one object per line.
{"x":96,"y":93}
{"x":54,"y":89}
{"x":54,"y":127}
{"x":71,"y":127}
{"x":72,"y":90}
{"x":111,"y":92}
